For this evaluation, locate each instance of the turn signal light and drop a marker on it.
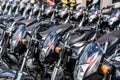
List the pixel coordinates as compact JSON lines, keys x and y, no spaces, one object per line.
{"x":83,"y":12}
{"x":72,"y":4}
{"x":99,"y":15}
{"x":63,"y":5}
{"x":23,"y":41}
{"x":57,"y":50}
{"x":105,"y":69}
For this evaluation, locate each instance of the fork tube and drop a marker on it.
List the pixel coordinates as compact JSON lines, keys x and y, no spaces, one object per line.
{"x":106,"y":45}
{"x":67,"y":19}
{"x":80,"y":24}
{"x":16,"y":12}
{"x":54,"y":73}
{"x":2,"y":39}
{"x":23,"y":64}
{"x":24,"y":60}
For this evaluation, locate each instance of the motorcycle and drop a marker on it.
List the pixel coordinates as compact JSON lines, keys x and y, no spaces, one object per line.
{"x":47,"y":56}
{"x":111,"y":65}
{"x":22,"y":45}
{"x":114,"y":19}
{"x":87,"y":66}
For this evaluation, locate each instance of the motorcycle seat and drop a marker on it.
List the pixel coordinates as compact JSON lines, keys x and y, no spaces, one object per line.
{"x":5,"y":16}
{"x":76,"y":38}
{"x":31,"y":27}
{"x":112,"y":37}
{"x":18,"y":18}
{"x":61,"y":29}
{"x":29,"y":22}
{"x":44,"y":22}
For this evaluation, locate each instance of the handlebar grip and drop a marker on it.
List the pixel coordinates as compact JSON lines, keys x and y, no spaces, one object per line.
{"x":109,"y":6}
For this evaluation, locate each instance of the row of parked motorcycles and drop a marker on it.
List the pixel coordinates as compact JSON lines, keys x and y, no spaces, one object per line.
{"x":51,"y":42}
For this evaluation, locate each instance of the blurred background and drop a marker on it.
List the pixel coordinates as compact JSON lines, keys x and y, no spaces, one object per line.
{"x":101,"y":4}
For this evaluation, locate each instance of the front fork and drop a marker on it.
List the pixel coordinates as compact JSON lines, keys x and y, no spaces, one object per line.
{"x":20,"y":73}
{"x":107,"y":77}
{"x":54,"y":73}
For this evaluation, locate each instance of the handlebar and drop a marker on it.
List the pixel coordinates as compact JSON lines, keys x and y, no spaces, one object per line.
{"x":95,"y":2}
{"x":109,"y":6}
{"x":92,"y":4}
